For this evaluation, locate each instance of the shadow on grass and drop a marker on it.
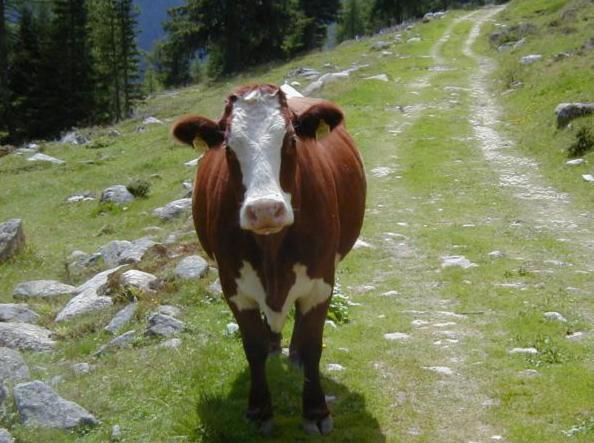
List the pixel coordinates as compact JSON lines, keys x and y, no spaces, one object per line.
{"x":220,"y":417}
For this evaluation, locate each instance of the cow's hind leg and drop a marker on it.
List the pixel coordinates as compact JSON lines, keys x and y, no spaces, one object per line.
{"x":308,"y":344}
{"x":255,"y":339}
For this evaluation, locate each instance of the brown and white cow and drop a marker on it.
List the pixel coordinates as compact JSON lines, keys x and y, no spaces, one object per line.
{"x":277,"y":204}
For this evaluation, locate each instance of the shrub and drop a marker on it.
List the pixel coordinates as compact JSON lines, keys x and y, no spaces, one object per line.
{"x":584,"y":142}
{"x":139,"y":188}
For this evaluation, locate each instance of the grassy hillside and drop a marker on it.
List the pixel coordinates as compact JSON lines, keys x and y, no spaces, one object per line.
{"x":437,"y":195}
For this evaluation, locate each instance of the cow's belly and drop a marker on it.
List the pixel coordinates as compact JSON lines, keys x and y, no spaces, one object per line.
{"x":306,"y":292}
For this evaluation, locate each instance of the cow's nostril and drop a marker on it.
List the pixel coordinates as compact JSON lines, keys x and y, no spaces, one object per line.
{"x":251,"y":213}
{"x":279,"y":210}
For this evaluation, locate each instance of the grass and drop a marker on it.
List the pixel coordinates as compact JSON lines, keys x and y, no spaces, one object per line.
{"x":442,"y":198}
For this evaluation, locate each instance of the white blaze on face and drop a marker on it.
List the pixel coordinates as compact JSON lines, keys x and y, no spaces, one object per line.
{"x":258,"y":129}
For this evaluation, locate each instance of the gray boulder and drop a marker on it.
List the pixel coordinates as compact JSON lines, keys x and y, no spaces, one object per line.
{"x":122,"y":318}
{"x":79,"y":261}
{"x":25,"y":337}
{"x":39,"y":157}
{"x":82,"y":197}
{"x":3,"y":394}
{"x":139,"y":280}
{"x":381,"y":45}
{"x":164,"y":325}
{"x":192,"y":267}
{"x":74,"y":138}
{"x":5,"y":436}
{"x":174,"y":209}
{"x":81,"y":368}
{"x":566,"y":112}
{"x":529,"y":59}
{"x":215,"y":289}
{"x":44,"y":289}
{"x":99,"y":282}
{"x":119,"y":252}
{"x":12,"y":366}
{"x":170,"y":310}
{"x":12,"y":238}
{"x":121,"y":341}
{"x":117,"y":194}
{"x":84,"y":303}
{"x":39,"y":405}
{"x":11,"y":312}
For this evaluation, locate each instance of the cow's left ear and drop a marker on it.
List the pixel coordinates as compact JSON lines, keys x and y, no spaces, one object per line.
{"x":199,"y":132}
{"x":317,"y":121}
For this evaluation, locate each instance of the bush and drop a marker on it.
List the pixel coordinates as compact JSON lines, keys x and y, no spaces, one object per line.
{"x":584,"y":142}
{"x":139,"y":188}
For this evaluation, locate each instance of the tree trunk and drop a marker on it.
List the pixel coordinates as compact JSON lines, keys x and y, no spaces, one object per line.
{"x":4,"y":94}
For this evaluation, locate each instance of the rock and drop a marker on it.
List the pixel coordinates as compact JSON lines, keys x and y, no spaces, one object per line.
{"x":380,"y":77}
{"x":12,"y":238}
{"x":307,"y":73}
{"x":12,"y":366}
{"x":396,"y":336}
{"x":42,"y":289}
{"x":442,"y":370}
{"x":335,"y":367}
{"x":555,"y":316}
{"x":566,"y":112}
{"x":231,"y":328}
{"x":172,"y":343}
{"x":79,"y":261}
{"x":10,"y":312}
{"x":188,"y":187}
{"x":576,"y":162}
{"x":39,"y":157}
{"x":193,"y":163}
{"x":81,"y":368}
{"x":588,"y":177}
{"x":117,"y":194}
{"x":215,"y":288}
{"x":192,"y":267}
{"x":82,"y":197}
{"x":152,"y":121}
{"x":25,"y":337}
{"x":528,"y":373}
{"x":529,"y":59}
{"x":5,"y":436}
{"x":456,"y":260}
{"x":174,"y":209}
{"x":380,"y":45}
{"x":74,"y":138}
{"x":381,"y":171}
{"x":121,"y":341}
{"x":170,"y":310}
{"x":39,"y":405}
{"x":527,"y":351}
{"x":496,"y":255}
{"x":84,"y":303}
{"x":576,"y":336}
{"x":428,"y":17}
{"x":143,"y":281}
{"x":114,"y":133}
{"x":163,"y":325}
{"x":119,"y":252}
{"x":390,"y":294}
{"x":414,"y":40}
{"x":331,"y":324}
{"x":360,"y":244}
{"x":98,"y":283}
{"x":116,"y":433}
{"x":121,"y":319}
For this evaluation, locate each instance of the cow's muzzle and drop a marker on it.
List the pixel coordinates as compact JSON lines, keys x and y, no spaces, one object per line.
{"x":266,"y":216}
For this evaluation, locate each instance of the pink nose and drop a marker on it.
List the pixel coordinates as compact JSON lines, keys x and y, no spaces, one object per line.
{"x":266,"y":214}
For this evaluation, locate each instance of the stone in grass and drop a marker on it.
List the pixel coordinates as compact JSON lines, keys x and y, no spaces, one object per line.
{"x":39,"y":405}
{"x":12,"y":238}
{"x":12,"y":366}
{"x":86,"y":302}
{"x":231,"y":328}
{"x":215,"y":289}
{"x":575,"y":162}
{"x":360,"y":243}
{"x":143,"y":281}
{"x":163,"y":325}
{"x":98,"y":283}
{"x":526,"y":351}
{"x":3,"y":394}
{"x":442,"y":370}
{"x":555,"y":316}
{"x":5,"y":436}
{"x":81,"y":368}
{"x":121,"y":319}
{"x":380,"y":77}
{"x":529,"y":59}
{"x":117,"y":194}
{"x":396,"y":336}
{"x":566,"y":112}
{"x":119,"y":252}
{"x":39,"y":157}
{"x":335,"y":367}
{"x":11,"y":312}
{"x":44,"y":289}
{"x":588,"y":177}
{"x":25,"y":337}
{"x":174,"y":209}
{"x":528,"y":373}
{"x":496,"y":255}
{"x":449,"y":261}
{"x":172,"y":343}
{"x":170,"y":310}
{"x":192,"y":267}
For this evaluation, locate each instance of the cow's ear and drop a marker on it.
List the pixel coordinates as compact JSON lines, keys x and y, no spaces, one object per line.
{"x":317,"y":121}
{"x":199,"y":132}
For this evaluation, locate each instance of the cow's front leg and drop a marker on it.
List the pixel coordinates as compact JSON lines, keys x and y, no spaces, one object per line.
{"x":255,"y":339}
{"x":308,"y":344}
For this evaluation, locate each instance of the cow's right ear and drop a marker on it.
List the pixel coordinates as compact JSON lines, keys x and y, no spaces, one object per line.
{"x":199,"y":132}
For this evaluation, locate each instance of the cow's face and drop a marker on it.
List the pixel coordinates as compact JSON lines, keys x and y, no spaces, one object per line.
{"x":258,"y":132}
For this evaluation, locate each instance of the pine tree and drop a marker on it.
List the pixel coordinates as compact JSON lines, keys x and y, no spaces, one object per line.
{"x":4,"y":92}
{"x":352,"y":22}
{"x":129,"y":55}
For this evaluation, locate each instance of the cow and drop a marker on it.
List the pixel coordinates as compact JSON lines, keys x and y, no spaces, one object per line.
{"x":278,"y":201}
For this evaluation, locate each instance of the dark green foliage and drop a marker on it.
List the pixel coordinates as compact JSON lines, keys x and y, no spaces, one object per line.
{"x":352,"y":21}
{"x":139,"y":188}
{"x":584,"y":142}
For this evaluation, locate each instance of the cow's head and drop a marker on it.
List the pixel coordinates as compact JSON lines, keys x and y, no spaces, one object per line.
{"x":258,"y":132}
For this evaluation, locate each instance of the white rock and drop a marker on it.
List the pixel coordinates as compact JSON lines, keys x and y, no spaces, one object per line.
{"x":418,"y":323}
{"x":414,"y":40}
{"x":5,"y":436}
{"x":576,"y":162}
{"x":359,"y":244}
{"x":143,"y":281}
{"x":25,"y":337}
{"x":331,"y":324}
{"x":527,"y":351}
{"x":172,"y":343}
{"x":456,"y":260}
{"x":174,"y":209}
{"x":11,"y":312}
{"x":39,"y":157}
{"x":193,"y":163}
{"x":396,"y":336}
{"x":98,"y":282}
{"x":576,"y":336}
{"x":529,"y":59}
{"x":380,"y":77}
{"x":164,"y":325}
{"x":588,"y":177}
{"x":528,"y":373}
{"x":231,"y":328}
{"x":81,"y":368}
{"x":496,"y":254}
{"x":555,"y":316}
{"x":117,"y":194}
{"x":152,"y":121}
{"x":381,"y":171}
{"x":12,"y":366}
{"x":191,"y":267}
{"x":121,"y":319}
{"x":12,"y":238}
{"x":390,"y":294}
{"x":43,"y":289}
{"x":335,"y":367}
{"x":84,"y":303}
{"x":442,"y":370}
{"x":170,"y":310}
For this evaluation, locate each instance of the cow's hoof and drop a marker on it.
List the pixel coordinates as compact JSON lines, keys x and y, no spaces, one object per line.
{"x":318,"y":427}
{"x":266,"y":427}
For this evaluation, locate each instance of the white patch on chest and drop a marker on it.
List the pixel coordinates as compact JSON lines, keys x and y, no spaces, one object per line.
{"x":306,"y":292}
{"x":258,"y":129}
